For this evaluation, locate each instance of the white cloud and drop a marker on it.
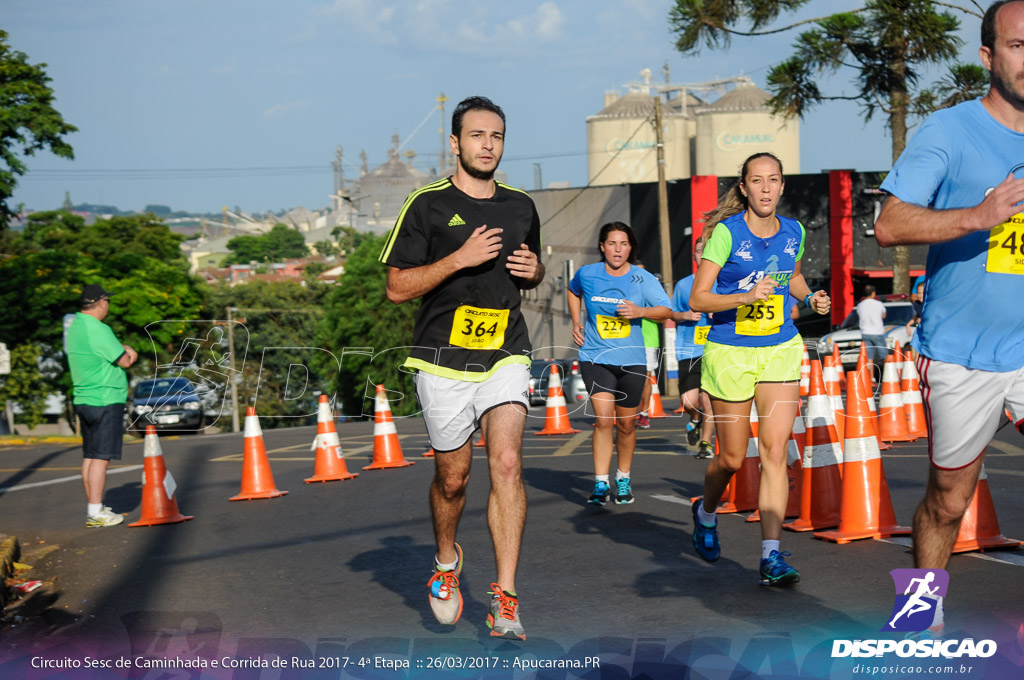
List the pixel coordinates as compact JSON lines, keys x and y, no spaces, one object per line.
{"x":448,"y":25}
{"x":543,"y":25}
{"x":369,"y":17}
{"x":549,"y":21}
{"x":281,"y":110}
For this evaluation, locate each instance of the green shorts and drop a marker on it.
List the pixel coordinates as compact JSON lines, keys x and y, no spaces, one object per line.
{"x":731,"y":373}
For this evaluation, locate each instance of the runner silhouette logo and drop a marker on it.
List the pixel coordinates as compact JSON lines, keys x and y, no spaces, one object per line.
{"x":917,"y":596}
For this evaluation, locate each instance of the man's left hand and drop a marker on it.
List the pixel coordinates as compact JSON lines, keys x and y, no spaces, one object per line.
{"x":523,"y":263}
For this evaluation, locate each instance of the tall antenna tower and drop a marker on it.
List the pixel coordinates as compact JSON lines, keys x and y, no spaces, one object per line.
{"x":339,"y":171}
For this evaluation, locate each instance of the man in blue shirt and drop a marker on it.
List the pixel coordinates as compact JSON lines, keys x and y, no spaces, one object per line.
{"x":959,"y":186}
{"x":691,"y":336}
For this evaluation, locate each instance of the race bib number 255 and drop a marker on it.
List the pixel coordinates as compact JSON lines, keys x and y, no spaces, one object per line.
{"x":763,"y":317}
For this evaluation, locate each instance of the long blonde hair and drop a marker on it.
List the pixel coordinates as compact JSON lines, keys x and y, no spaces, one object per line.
{"x":733,"y":202}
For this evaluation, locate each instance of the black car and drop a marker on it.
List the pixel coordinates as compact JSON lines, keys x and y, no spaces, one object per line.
{"x":169,"y":404}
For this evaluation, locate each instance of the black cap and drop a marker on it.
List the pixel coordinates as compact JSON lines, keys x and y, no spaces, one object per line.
{"x":93,"y":293}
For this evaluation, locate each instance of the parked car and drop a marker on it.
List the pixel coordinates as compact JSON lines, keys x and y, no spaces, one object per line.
{"x":166,"y":403}
{"x":898,"y":311}
{"x":575,"y":390}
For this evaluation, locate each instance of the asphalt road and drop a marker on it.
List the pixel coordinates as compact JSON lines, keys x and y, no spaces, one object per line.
{"x":336,"y":572}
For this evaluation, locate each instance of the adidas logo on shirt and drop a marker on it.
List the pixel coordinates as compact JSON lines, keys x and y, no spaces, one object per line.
{"x":456,"y":221}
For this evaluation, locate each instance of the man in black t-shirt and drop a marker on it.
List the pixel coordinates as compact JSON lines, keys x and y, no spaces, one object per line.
{"x":468,"y":245}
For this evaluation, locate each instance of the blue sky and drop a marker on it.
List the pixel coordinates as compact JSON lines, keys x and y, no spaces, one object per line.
{"x":201,"y":104}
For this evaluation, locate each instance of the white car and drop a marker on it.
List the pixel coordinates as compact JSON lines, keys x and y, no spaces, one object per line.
{"x":898,"y":311}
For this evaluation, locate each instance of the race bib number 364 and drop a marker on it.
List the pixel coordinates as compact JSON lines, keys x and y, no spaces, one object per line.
{"x":1006,"y":247}
{"x":476,"y":328}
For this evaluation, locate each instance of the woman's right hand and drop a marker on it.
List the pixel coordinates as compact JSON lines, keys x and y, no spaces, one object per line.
{"x":577,"y":334}
{"x":762,"y":290}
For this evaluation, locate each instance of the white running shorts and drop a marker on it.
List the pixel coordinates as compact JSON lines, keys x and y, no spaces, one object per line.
{"x":964,"y":407}
{"x":452,"y":409}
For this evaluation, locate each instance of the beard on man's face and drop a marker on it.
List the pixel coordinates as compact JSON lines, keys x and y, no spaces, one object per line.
{"x":475,"y":172}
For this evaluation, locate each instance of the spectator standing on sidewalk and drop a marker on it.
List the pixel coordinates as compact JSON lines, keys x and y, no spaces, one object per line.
{"x":98,"y":362}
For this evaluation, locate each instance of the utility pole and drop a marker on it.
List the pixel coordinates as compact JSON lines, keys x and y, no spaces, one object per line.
{"x":663,"y":225}
{"x":231,"y":377}
{"x":443,"y":163}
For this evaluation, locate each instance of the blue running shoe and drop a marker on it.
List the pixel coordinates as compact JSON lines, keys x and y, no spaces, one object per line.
{"x":601,"y":493}
{"x":705,"y":539}
{"x":623,"y":492}
{"x":693,"y":432}
{"x":775,"y":571}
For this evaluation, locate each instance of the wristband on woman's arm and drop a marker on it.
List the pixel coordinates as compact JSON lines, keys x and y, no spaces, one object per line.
{"x":807,"y":300}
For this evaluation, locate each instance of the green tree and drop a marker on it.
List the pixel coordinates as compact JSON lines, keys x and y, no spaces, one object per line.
{"x":884,"y":44}
{"x":277,"y":244}
{"x":357,"y":314}
{"x":28,"y":121}
{"x":136,"y":258}
{"x":278,"y":322}
{"x":349,"y":238}
{"x":28,"y":383}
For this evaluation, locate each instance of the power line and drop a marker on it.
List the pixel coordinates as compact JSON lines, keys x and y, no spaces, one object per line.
{"x":123,"y":174}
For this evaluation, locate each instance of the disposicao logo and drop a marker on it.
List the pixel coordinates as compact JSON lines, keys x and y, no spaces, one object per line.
{"x":917,"y":601}
{"x":917,"y":597}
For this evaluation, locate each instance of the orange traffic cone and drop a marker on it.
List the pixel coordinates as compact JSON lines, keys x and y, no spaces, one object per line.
{"x":867,"y":505}
{"x":741,"y":495}
{"x":979,"y":529}
{"x":830,"y":373}
{"x":556,"y":417}
{"x":387,"y":451}
{"x":866,"y":365}
{"x":805,"y":374}
{"x":837,"y":359}
{"x":897,"y":351}
{"x":158,"y":504}
{"x":867,"y":374}
{"x":655,"y":409}
{"x":794,"y":469}
{"x":429,"y":454}
{"x":822,"y":481}
{"x":480,"y":442}
{"x":257,"y":479}
{"x":910,"y":391}
{"x":330,"y":465}
{"x":892,"y":419}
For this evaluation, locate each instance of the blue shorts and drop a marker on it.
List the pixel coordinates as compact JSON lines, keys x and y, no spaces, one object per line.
{"x":102,"y":430}
{"x":875,"y":346}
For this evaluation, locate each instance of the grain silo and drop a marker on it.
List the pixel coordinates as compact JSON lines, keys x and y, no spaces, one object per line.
{"x":740,"y":124}
{"x":621,"y":140}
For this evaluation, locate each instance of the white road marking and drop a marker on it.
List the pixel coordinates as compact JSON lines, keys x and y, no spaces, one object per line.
{"x":113,"y":471}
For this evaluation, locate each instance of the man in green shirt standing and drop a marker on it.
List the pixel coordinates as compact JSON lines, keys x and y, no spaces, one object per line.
{"x":98,"y":362}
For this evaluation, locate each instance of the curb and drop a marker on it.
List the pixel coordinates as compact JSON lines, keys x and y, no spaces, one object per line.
{"x":11,"y":442}
{"x":10,"y":551}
